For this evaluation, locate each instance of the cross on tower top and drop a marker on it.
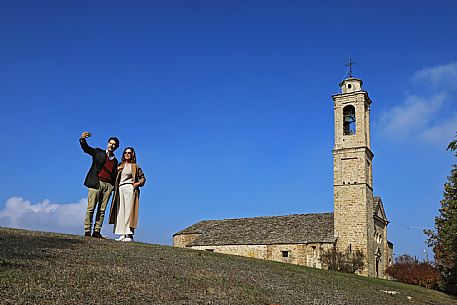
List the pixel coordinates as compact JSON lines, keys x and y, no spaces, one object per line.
{"x":349,"y":64}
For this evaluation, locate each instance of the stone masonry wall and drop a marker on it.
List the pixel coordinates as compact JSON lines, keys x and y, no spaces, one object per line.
{"x":352,"y":162}
{"x":182,"y":240}
{"x":380,"y":245}
{"x":299,"y":254}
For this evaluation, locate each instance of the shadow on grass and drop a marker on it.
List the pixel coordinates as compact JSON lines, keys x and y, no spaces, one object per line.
{"x":20,"y":245}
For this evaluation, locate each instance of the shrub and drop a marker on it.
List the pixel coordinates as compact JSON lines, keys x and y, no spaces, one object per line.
{"x":408,"y":269}
{"x":346,"y":261}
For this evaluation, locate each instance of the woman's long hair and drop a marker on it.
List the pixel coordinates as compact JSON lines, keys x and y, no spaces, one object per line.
{"x":132,"y":158}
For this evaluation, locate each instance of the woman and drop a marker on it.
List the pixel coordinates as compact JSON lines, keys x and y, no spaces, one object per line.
{"x":124,"y":208}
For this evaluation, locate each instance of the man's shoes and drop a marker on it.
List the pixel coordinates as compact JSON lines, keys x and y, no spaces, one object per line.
{"x":121,"y":238}
{"x":87,"y":234}
{"x":97,"y":235}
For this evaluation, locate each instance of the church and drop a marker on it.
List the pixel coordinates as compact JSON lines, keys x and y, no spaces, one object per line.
{"x":358,"y":221}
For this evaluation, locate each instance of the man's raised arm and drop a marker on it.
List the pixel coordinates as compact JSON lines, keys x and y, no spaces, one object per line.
{"x":86,"y":148}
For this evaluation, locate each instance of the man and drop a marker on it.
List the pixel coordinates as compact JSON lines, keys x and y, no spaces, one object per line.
{"x":100,"y":182}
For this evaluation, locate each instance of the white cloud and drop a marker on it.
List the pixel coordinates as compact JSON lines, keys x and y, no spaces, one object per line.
{"x":414,"y":113}
{"x":43,"y":216}
{"x":442,"y":76}
{"x":441,"y":133}
{"x":430,"y":115}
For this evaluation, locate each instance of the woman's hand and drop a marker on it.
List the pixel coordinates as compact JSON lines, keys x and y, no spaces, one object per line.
{"x":136,"y":185}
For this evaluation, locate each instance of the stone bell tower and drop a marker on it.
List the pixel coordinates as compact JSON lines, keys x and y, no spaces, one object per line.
{"x":352,"y":172}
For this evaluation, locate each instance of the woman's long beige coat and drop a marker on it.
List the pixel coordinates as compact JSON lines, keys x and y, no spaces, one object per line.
{"x":138,"y":176}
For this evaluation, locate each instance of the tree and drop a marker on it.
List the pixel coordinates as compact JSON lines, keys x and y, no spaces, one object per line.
{"x":443,"y":239}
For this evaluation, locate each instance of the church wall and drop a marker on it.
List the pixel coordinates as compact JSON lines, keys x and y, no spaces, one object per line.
{"x":350,"y":223}
{"x":352,"y":166}
{"x":390,"y":254}
{"x":361,"y":137}
{"x":353,"y":193}
{"x":354,"y":231}
{"x":387,"y":258}
{"x":353,"y":200}
{"x":371,"y":263}
{"x":253,"y":251}
{"x":182,"y":240}
{"x":299,"y":254}
{"x":380,"y":242}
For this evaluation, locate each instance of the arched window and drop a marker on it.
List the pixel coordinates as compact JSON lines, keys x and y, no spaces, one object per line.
{"x":349,"y":120}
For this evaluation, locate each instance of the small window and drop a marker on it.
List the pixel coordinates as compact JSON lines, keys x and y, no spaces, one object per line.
{"x":285,"y":253}
{"x":349,"y":120}
{"x":349,"y":86}
{"x":314,"y":251}
{"x":210,"y":250}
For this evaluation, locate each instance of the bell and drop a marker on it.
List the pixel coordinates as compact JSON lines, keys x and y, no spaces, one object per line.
{"x":349,"y":119}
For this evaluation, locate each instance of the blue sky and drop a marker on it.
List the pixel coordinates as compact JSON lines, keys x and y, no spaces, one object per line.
{"x":228,"y":105}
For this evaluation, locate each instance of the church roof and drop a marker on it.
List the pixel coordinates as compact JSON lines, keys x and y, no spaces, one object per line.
{"x":289,"y":229}
{"x":376,"y":203}
{"x":378,"y":209}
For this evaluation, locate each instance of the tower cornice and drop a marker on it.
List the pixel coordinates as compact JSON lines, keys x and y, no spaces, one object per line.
{"x":349,"y":94}
{"x":354,"y":184}
{"x":354,"y":149}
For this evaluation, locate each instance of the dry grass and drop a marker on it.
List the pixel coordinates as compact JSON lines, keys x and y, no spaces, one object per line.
{"x":48,"y":268}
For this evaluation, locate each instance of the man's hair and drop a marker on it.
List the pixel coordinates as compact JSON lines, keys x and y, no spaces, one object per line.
{"x":115,"y":140}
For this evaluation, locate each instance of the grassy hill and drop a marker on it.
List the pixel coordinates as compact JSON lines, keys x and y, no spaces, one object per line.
{"x":48,"y":268}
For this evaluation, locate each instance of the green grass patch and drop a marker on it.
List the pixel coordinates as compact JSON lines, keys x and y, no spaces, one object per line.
{"x":49,"y":268}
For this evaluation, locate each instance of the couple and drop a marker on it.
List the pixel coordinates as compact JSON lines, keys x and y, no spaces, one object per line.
{"x":106,"y":175}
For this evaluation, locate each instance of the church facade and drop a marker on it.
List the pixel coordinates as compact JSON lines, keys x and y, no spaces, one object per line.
{"x":358,"y":222}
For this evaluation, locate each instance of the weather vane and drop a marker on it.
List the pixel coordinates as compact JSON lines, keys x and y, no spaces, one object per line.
{"x":349,"y":64}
